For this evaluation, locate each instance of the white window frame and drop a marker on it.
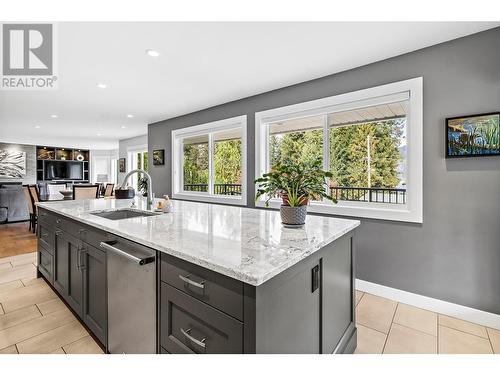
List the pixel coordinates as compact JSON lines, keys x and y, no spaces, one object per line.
{"x":411,"y":90}
{"x":239,"y":122}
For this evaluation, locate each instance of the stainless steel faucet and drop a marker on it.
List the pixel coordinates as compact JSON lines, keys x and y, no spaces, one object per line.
{"x":151,"y":197}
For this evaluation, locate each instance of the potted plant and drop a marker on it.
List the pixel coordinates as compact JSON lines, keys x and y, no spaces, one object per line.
{"x":296,"y":184}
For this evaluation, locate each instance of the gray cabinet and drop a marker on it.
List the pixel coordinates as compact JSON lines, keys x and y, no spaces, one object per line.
{"x":76,"y":270}
{"x":191,"y":326}
{"x":94,"y":290}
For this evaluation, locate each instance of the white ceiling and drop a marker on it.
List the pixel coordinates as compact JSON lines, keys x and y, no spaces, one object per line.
{"x":200,"y":65}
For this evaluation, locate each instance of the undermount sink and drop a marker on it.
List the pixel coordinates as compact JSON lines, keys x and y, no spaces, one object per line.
{"x":123,"y":214}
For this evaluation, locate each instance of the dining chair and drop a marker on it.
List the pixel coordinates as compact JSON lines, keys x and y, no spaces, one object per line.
{"x":35,"y":197}
{"x":108,"y":192}
{"x":31,"y":207}
{"x":85,"y":191}
{"x":55,"y":188}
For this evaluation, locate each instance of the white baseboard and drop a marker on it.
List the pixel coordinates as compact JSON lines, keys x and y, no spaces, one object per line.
{"x":432,"y":304}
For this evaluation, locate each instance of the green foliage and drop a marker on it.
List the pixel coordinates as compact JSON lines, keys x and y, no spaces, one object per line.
{"x":227,"y":162}
{"x":296,"y":147}
{"x":142,"y":186}
{"x":300,"y":181}
{"x":349,"y":150}
{"x":196,"y":163}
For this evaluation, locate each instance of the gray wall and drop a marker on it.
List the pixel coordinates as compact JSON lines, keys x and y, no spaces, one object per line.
{"x":455,"y":254}
{"x":30,"y":177}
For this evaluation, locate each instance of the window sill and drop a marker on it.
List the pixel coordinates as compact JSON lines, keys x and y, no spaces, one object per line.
{"x":352,"y":209}
{"x":224,"y":199}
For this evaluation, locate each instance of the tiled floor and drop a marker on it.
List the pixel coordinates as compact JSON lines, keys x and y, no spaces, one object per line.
{"x":385,"y":326}
{"x":32,"y":318}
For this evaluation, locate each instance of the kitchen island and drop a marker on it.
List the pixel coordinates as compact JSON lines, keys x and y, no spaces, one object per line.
{"x":226,"y":279}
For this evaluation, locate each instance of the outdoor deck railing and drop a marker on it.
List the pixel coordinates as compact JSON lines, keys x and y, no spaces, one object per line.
{"x":362,"y":194}
{"x":219,"y":189}
{"x":343,"y":193}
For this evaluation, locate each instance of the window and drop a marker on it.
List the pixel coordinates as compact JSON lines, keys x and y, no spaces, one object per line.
{"x":138,"y":159}
{"x":371,"y":141}
{"x":209,"y":161}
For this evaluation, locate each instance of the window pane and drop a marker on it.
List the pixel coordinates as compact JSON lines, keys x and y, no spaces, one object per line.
{"x":195,"y":166}
{"x":368,"y":154}
{"x":227,"y":162}
{"x":296,"y":141}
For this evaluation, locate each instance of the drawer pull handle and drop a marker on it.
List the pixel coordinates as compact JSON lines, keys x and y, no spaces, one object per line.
{"x":58,"y":221}
{"x":187,"y":280}
{"x":59,"y":232}
{"x":201,"y":342}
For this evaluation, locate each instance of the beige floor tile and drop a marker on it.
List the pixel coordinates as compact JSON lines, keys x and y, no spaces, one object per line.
{"x":404,"y":340}
{"x":58,"y":351}
{"x":26,"y":296}
{"x":369,"y":341}
{"x":375,"y":312}
{"x":419,"y":319}
{"x":359,"y":295}
{"x":51,"y":340}
{"x":21,"y":332}
{"x":5,"y":266}
{"x":452,"y":341}
{"x":51,"y":306}
{"x":20,"y":260}
{"x":32,"y":281}
{"x":5,"y":260}
{"x":462,"y":325}
{"x":9,"y":350}
{"x":10,"y":286}
{"x":495,"y":339}
{"x":85,"y":345}
{"x":16,"y":273}
{"x":19,"y":316}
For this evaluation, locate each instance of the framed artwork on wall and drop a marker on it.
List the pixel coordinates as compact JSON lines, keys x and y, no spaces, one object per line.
{"x":12,"y":164}
{"x":159,"y":157}
{"x":473,"y":135}
{"x":121,"y":165}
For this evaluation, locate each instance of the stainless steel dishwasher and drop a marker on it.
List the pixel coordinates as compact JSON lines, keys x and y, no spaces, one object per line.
{"x":131,"y":298}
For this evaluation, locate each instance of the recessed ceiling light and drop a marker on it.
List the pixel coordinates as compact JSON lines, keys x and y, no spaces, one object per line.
{"x":54,"y":116}
{"x":37,"y":126}
{"x":124,"y":127}
{"x":99,"y":134}
{"x":152,"y":53}
{"x":130,"y":116}
{"x":102,"y":85}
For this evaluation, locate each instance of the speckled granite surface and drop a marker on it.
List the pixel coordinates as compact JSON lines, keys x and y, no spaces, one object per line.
{"x":246,"y":244}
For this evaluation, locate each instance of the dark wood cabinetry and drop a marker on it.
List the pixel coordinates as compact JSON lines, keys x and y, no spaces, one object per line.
{"x":76,"y":270}
{"x":308,"y":308}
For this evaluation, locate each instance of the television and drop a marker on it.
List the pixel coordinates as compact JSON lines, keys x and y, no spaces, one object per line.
{"x":63,"y":170}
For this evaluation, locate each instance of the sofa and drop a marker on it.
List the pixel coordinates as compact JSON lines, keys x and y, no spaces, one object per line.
{"x":13,"y":205}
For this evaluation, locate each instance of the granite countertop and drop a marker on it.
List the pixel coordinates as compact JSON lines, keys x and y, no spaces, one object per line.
{"x":246,"y":244}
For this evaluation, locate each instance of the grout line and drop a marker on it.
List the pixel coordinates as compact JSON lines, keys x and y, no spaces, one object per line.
{"x":1,"y":309}
{"x":374,"y":329}
{"x":472,"y":334}
{"x":489,"y":339}
{"x":41,"y":333}
{"x":17,"y":350}
{"x":390,"y":328}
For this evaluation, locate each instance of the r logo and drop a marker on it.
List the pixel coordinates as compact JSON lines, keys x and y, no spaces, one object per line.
{"x":27,"y":49}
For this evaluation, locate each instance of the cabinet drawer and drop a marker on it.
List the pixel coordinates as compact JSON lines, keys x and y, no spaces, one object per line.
{"x":45,"y":263}
{"x":190,"y":326}
{"x":46,"y":237}
{"x":45,"y":216}
{"x":215,"y":289}
{"x":93,"y":237}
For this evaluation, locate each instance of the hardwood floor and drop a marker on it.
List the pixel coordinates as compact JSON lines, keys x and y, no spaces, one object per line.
{"x":16,"y":239}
